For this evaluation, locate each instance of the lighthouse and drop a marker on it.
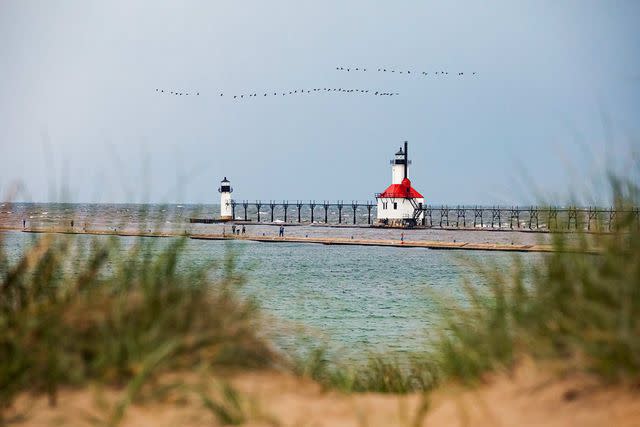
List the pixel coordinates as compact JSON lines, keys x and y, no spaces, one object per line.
{"x":400,"y":204}
{"x":226,"y":209}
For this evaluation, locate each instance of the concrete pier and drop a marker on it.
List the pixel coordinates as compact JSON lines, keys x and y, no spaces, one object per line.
{"x":296,"y":239}
{"x":375,"y":242}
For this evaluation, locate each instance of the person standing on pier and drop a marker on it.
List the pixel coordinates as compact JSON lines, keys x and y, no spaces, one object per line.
{"x":281,"y":233}
{"x":402,"y":238}
{"x":233,"y":230}
{"x":71,"y":223}
{"x":243,"y":229}
{"x":24,"y":223}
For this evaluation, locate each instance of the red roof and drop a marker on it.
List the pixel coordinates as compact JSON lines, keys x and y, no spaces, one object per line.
{"x":400,"y":191}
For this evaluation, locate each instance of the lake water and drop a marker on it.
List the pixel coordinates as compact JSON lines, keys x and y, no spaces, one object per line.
{"x":357,"y":298}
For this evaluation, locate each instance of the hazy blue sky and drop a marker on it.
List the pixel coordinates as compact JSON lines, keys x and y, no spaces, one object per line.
{"x":556,"y":98}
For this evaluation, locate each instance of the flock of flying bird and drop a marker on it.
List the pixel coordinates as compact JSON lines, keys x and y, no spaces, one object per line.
{"x":391,"y":70}
{"x":291,"y":92}
{"x":320,"y":90}
{"x":317,"y":90}
{"x":175,"y":92}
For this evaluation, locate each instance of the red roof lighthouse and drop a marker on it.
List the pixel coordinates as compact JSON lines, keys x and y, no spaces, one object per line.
{"x":400,"y":203}
{"x":400,"y":191}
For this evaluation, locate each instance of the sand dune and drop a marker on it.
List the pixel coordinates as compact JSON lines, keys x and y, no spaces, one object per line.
{"x":528,"y":397}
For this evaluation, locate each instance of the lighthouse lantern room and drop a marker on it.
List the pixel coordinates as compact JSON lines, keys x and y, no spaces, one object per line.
{"x":226,"y":208}
{"x":400,"y":204}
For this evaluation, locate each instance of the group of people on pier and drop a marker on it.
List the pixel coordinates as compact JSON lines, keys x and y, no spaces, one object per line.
{"x":236,"y":230}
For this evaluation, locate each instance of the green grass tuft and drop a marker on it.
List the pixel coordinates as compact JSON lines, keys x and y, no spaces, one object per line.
{"x":574,"y":307}
{"x":72,"y":313}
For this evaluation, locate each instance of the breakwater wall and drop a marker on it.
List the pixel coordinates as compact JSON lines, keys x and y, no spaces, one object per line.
{"x":399,"y":243}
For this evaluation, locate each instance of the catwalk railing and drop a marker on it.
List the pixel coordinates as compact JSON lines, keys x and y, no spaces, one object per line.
{"x":535,"y":218}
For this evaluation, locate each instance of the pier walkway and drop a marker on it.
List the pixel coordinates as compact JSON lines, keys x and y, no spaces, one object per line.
{"x":376,"y":242}
{"x":297,"y":239}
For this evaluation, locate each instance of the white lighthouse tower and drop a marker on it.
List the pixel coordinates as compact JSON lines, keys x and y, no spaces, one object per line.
{"x":400,"y":204}
{"x":226,"y":209}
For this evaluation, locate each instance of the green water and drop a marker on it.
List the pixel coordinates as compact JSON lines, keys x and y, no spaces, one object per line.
{"x":358,"y":299}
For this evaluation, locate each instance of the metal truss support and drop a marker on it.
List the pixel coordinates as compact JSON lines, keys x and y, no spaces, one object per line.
{"x":258,"y":206}
{"x":533,"y":215}
{"x":477,"y":215}
{"x":592,"y":215}
{"x":354,"y":205}
{"x":245,"y":205}
{"x":553,"y":216}
{"x":325,"y":205}
{"x":495,"y":216}
{"x":572,"y":217}
{"x":612,"y":219}
{"x":428,"y":211}
{"x":312,"y":206}
{"x":299,"y":205}
{"x":514,"y":213}
{"x":461,"y":213}
{"x":444,"y":214}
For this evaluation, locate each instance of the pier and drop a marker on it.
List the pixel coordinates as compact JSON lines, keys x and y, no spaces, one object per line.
{"x":376,"y":242}
{"x":294,"y":239}
{"x":513,"y":218}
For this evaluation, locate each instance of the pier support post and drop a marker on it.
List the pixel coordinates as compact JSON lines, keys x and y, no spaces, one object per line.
{"x":592,"y":215}
{"x":369,"y":206}
{"x":553,"y":216}
{"x":258,"y":206}
{"x":354,"y":205}
{"x":245,"y":204}
{"x":533,"y":214}
{"x":285,"y":206}
{"x":272,"y":205}
{"x":514,"y":213}
{"x":340,"y":212}
{"x":495,"y":216}
{"x":477,"y":215}
{"x":612,"y":219}
{"x":325,"y":205}
{"x":461,"y":213}
{"x":312,"y":206}
{"x":572,"y":216}
{"x":299,"y":205}
{"x":444,"y":215}
{"x":428,"y":211}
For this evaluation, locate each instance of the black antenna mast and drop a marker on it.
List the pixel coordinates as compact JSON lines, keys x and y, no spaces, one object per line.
{"x":406,"y":158}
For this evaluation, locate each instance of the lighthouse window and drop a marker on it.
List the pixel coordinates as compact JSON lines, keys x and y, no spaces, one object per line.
{"x":395,"y":205}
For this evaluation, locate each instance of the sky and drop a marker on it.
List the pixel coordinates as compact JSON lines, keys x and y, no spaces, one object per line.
{"x":553,"y":106}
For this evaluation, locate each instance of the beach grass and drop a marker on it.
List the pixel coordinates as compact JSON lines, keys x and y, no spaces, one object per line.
{"x":79,"y":310}
{"x":577,"y":309}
